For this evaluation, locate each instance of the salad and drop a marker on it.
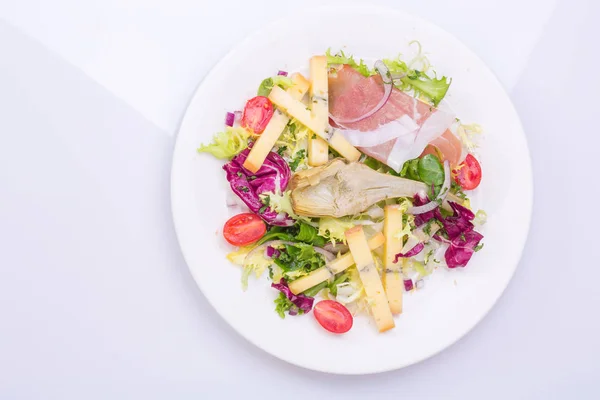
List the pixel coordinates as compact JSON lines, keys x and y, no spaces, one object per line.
{"x":350,"y":186}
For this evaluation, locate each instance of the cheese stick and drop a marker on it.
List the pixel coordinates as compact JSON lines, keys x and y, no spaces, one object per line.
{"x":332,"y":268}
{"x":318,"y":150}
{"x":392,"y":277}
{"x":296,"y":109}
{"x":370,"y":278}
{"x":265,"y":142}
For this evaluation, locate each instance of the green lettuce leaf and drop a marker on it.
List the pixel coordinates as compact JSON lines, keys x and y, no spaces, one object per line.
{"x":226,"y":144}
{"x":341,"y":58}
{"x":298,"y":260}
{"x":283,"y":305}
{"x":267,"y":84}
{"x":433,"y":88}
{"x":334,"y":228}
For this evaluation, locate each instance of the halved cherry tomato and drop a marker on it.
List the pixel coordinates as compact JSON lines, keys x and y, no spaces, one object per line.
{"x":244,"y":229}
{"x":257,"y":114}
{"x":333,"y":316}
{"x":468,"y":173}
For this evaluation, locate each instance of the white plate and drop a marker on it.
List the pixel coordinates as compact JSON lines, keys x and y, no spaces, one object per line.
{"x":452,"y":302}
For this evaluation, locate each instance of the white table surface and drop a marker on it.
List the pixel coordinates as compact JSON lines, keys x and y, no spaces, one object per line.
{"x":96,"y":301}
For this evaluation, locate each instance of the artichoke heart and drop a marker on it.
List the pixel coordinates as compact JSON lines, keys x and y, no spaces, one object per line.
{"x":338,"y":188}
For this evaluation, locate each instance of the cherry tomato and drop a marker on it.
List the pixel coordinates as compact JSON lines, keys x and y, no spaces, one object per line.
{"x":333,"y":316}
{"x":244,"y":229}
{"x":257,"y":114}
{"x":468,"y":173}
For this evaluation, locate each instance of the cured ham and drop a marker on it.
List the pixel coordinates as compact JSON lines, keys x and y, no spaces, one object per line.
{"x":447,"y":146}
{"x":397,"y":132}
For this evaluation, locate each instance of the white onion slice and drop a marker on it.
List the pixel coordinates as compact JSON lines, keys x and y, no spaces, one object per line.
{"x":336,"y":248}
{"x":433,"y":204}
{"x":328,"y":255}
{"x":388,"y":84}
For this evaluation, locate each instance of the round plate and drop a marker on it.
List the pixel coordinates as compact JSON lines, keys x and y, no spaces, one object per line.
{"x":452,"y":301}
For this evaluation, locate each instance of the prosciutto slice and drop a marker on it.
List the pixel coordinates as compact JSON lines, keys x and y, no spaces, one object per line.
{"x":447,"y":146}
{"x":399,"y":131}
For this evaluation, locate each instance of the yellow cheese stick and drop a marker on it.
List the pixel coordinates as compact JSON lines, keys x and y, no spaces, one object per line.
{"x":318,"y":150}
{"x":332,"y":268}
{"x":370,"y":278}
{"x":392,"y":277}
{"x":319,"y":95}
{"x":298,"y":110}
{"x":265,"y":142}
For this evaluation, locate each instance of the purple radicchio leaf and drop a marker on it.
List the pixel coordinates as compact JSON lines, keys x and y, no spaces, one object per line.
{"x":459,"y":223}
{"x":421,"y":219}
{"x":272,"y":252}
{"x":412,"y":252}
{"x":273,"y":176}
{"x":462,"y":248}
{"x":301,"y":301}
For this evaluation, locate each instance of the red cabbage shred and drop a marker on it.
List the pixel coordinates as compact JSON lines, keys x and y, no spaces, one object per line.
{"x":273,"y":176}
{"x":462,"y":237}
{"x":301,"y":301}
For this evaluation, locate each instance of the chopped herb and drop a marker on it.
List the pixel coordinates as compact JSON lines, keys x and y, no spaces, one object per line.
{"x":263,"y":209}
{"x":427,"y":256}
{"x":478,"y":247}
{"x":314,"y":136}
{"x":462,"y":237}
{"x":239,"y":174}
{"x":457,"y":190}
{"x":243,"y":189}
{"x":427,"y":227}
{"x":266,"y":200}
{"x":300,"y":156}
{"x":292,"y":127}
{"x":281,"y":150}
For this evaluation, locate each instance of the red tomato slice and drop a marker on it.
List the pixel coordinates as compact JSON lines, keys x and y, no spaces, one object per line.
{"x":468,"y":173}
{"x":333,"y":316}
{"x":244,"y":229}
{"x":257,"y":114}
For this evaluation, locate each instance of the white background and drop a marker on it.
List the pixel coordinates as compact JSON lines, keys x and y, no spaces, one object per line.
{"x":95,"y":299}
